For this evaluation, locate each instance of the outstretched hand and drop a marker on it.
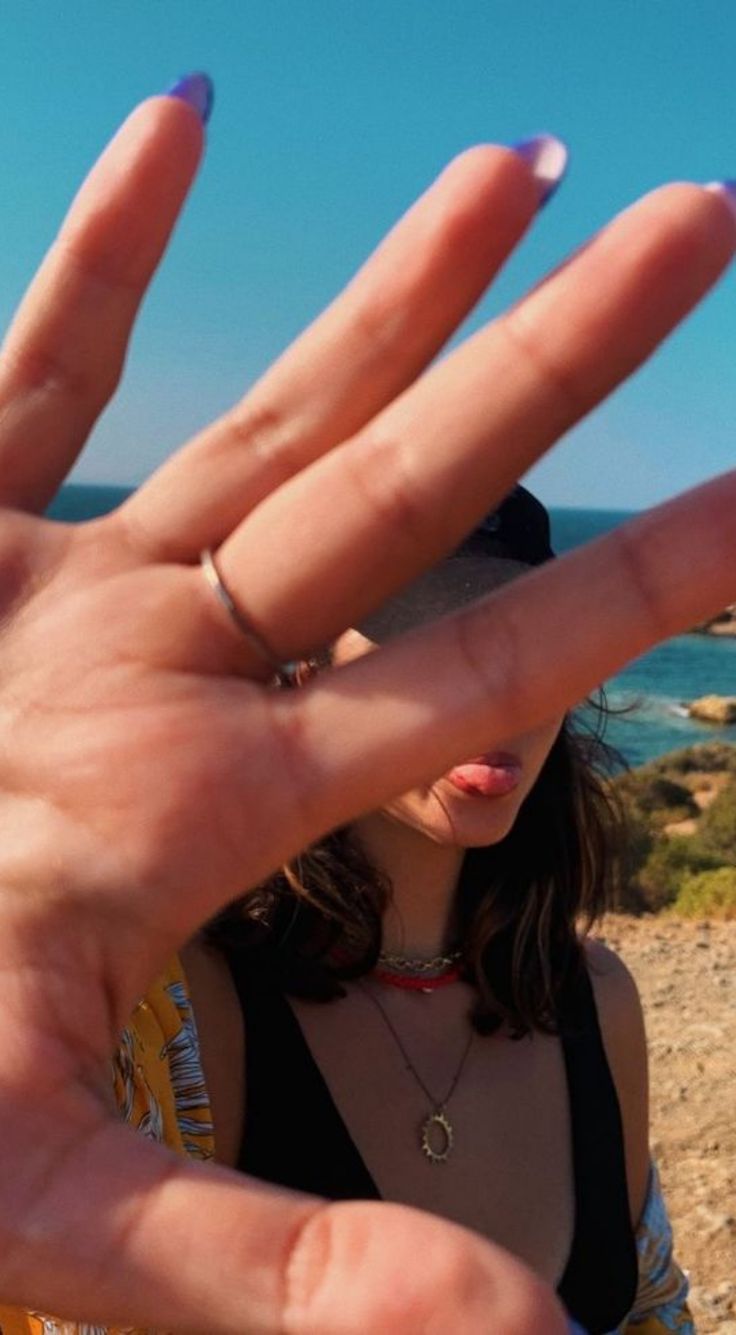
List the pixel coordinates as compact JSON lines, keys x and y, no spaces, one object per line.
{"x":150,"y":772}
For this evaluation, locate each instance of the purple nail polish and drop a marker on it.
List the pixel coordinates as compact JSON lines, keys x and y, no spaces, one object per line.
{"x":198,"y":90}
{"x":727,"y":189}
{"x":575,"y":1328}
{"x":547,"y":156}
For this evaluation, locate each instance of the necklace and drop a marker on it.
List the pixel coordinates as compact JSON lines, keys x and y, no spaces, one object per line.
{"x":420,"y":966}
{"x":412,"y":982}
{"x":437,"y":1120}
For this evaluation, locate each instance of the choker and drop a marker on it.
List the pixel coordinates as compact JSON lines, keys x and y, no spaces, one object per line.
{"x":404,"y":964}
{"x":418,"y":975}
{"x":417,"y":983}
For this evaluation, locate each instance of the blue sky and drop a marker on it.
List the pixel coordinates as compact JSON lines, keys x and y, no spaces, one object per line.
{"x":330,"y":116}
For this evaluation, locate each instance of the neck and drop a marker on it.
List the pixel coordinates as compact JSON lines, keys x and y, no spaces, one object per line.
{"x":423,"y":876}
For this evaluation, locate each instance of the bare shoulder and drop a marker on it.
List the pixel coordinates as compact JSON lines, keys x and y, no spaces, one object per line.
{"x":624,"y":1037}
{"x":615,"y":991}
{"x":620,"y":1015}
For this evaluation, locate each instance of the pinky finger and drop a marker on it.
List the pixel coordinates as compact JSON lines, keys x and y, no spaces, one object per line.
{"x":63,"y":355}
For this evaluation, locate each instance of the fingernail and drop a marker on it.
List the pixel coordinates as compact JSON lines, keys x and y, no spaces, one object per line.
{"x":727,"y":189}
{"x":198,"y":90}
{"x":575,"y":1328}
{"x":547,"y":156}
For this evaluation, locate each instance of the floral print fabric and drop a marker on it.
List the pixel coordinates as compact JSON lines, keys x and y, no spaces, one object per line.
{"x":160,"y":1090}
{"x":661,"y":1298}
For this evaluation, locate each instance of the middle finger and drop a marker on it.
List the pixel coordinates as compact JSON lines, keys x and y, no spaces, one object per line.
{"x":366,"y":347}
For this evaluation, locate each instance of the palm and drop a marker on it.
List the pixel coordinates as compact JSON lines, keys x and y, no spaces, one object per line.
{"x":150,"y":774}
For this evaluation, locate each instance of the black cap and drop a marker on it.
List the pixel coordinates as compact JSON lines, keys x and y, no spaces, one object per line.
{"x":504,"y":545}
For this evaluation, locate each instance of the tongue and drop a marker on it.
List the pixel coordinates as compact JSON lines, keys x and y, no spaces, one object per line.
{"x":487,"y":780}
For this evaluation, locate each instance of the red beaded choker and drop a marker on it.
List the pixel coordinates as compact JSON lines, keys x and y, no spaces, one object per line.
{"x":417,"y":982}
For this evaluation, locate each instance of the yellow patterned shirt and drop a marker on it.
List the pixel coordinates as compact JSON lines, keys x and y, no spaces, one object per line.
{"x":160,"y":1090}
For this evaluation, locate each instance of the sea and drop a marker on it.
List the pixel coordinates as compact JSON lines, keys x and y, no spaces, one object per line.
{"x":647,"y":700}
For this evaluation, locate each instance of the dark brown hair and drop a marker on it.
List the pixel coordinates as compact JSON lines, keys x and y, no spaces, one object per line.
{"x":521,"y":903}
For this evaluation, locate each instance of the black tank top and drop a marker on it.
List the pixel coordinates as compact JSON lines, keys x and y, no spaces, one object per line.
{"x":283,"y":1082}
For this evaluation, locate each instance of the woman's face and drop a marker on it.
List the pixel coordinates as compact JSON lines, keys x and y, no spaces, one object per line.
{"x":477,"y":802}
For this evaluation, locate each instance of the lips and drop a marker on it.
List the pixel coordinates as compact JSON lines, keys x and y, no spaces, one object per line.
{"x":491,"y":775}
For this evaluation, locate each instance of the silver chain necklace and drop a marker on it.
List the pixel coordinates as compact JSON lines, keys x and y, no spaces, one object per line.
{"x":420,"y":966}
{"x":437,"y":1119}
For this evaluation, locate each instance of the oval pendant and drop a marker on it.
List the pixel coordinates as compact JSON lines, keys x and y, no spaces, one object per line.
{"x":437,"y":1122}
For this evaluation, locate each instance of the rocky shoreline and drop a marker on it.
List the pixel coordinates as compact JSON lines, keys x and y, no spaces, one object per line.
{"x":722,"y":624}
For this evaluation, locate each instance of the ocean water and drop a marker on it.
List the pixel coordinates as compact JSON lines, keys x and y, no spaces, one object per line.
{"x":651,"y":690}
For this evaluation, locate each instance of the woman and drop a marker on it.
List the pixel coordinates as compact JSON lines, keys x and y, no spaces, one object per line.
{"x":149,"y":772}
{"x":459,"y":1066}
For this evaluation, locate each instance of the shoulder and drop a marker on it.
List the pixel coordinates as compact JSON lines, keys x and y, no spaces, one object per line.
{"x":621,"y":1020}
{"x":620,"y":1016}
{"x":616,"y":994}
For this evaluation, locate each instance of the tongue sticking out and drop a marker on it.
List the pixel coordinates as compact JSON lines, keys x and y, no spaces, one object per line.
{"x":487,"y":776}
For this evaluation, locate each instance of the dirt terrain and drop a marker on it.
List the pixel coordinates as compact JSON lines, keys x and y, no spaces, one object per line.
{"x":686,"y":972}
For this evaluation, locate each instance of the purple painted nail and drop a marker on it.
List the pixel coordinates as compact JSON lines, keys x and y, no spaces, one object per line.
{"x":727,"y":189}
{"x":198,"y":90}
{"x":575,"y":1328}
{"x":547,"y":156}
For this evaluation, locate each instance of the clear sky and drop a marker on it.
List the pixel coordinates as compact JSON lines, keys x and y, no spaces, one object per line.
{"x":330,"y":116}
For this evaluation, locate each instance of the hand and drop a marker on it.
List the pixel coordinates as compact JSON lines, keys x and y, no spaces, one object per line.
{"x":148,"y":772}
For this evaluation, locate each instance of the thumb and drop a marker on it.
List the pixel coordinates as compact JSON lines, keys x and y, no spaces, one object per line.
{"x":124,"y":1232}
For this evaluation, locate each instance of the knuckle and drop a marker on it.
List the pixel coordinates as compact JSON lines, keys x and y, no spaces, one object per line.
{"x":383,"y":475}
{"x":637,"y":572}
{"x":381,"y":316}
{"x":488,"y":644}
{"x":44,"y":372}
{"x":567,"y":394}
{"x":343,"y":1249}
{"x":266,"y":433}
{"x":108,"y":265}
{"x":307,"y":1265}
{"x":302,"y":789}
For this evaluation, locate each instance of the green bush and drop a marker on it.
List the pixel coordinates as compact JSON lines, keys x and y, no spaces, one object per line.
{"x":656,"y":799}
{"x":660,"y":793}
{"x":708,"y":894}
{"x":635,"y":849}
{"x":703,"y":758}
{"x":668,"y":865}
{"x":717,"y":826}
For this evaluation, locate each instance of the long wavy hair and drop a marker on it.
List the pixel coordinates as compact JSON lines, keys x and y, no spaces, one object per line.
{"x":522,"y":904}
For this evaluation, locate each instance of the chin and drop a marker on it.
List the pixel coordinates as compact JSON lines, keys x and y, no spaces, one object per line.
{"x":470,"y":822}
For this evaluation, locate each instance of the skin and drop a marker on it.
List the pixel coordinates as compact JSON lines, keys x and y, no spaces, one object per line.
{"x":419,"y":838}
{"x":134,"y":743}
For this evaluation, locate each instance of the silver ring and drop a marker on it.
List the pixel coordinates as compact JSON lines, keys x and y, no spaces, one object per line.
{"x":285,"y":674}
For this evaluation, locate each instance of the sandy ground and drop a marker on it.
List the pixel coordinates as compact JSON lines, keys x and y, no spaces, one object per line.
{"x":686,"y":973}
